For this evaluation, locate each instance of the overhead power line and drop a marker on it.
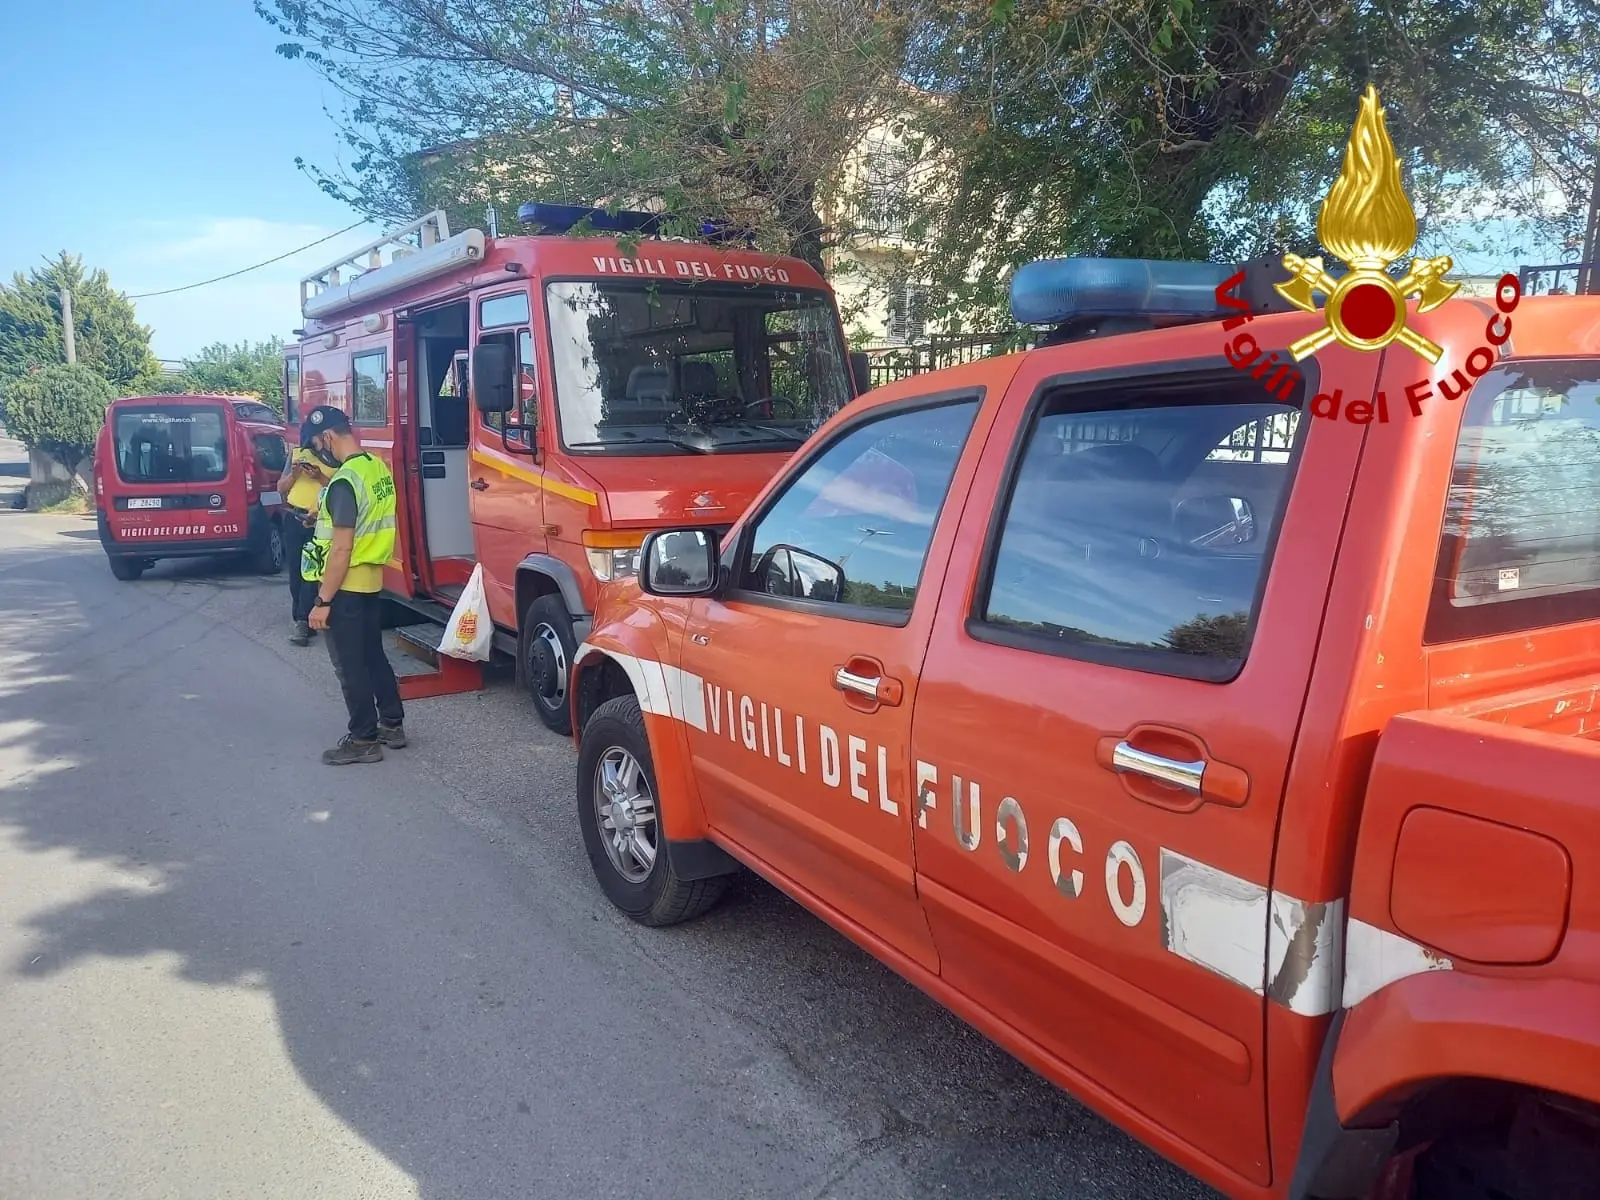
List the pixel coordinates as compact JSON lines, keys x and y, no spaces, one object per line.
{"x":189,"y":287}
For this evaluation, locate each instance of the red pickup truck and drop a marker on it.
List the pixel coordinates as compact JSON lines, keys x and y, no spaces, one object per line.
{"x":1220,"y":740}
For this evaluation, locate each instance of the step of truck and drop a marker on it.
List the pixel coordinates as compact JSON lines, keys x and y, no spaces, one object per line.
{"x":450,"y":676}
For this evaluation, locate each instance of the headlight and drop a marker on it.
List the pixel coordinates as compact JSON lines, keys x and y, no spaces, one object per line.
{"x":612,"y":554}
{"x":608,"y":563}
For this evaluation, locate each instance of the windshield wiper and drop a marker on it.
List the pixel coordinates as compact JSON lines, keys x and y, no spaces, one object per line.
{"x":788,"y":435}
{"x":643,"y":441}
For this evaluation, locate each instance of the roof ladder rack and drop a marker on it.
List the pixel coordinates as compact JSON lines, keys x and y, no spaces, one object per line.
{"x":418,"y":236}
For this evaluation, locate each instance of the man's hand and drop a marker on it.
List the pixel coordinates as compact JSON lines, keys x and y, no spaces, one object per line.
{"x":319,"y":617}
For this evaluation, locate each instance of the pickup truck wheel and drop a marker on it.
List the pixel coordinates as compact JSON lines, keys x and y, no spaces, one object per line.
{"x":127,"y":569}
{"x":547,"y":646}
{"x":621,"y":824}
{"x":268,"y":560}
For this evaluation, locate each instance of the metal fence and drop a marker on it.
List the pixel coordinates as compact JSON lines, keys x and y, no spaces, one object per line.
{"x":944,"y":350}
{"x":1561,"y":279}
{"x":893,"y":362}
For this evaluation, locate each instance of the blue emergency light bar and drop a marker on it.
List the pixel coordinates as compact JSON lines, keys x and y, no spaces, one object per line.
{"x":562,"y":218}
{"x":1055,"y":291}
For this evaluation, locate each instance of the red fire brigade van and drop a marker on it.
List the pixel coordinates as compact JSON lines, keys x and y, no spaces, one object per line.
{"x":189,"y":477}
{"x":546,"y":400}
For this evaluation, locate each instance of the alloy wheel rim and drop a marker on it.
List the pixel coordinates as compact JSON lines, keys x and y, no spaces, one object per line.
{"x":625,"y":811}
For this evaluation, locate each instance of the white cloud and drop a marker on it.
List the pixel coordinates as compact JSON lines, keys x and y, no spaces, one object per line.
{"x":156,"y":256}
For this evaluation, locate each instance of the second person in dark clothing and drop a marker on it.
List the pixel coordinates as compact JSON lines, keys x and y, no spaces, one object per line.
{"x":301,"y":484}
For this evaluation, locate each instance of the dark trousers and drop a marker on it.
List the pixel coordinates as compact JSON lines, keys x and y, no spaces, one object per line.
{"x":355,"y":644}
{"x":302,"y":591}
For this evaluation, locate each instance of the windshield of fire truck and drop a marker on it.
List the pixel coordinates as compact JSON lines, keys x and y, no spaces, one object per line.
{"x":671,"y":368}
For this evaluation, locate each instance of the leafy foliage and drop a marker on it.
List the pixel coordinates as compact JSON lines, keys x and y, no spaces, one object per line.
{"x":58,"y":409}
{"x":1149,"y":128}
{"x":736,"y":111}
{"x":1219,"y":635}
{"x":108,"y":338}
{"x":246,"y":369}
{"x":1212,"y":128}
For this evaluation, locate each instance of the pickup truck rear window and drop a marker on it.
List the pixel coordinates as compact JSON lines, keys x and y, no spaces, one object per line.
{"x":1520,"y":545}
{"x":1139,"y":525}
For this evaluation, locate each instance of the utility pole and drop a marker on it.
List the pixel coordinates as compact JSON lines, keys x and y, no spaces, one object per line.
{"x":66,"y":326}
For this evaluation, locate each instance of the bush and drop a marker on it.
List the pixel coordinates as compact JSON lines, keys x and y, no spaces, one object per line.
{"x":59,"y":410}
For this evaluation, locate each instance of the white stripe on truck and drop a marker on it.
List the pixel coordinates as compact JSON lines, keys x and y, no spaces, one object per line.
{"x":1302,"y":955}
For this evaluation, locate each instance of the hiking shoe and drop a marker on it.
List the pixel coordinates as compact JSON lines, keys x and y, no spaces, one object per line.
{"x":349,"y":750}
{"x":392,"y":736}
{"x":301,"y":635}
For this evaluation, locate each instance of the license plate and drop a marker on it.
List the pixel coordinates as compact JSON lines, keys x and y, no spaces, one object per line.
{"x":148,"y":502}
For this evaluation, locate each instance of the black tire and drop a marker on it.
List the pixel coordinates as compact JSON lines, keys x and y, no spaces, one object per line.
{"x":127,"y":569}
{"x":546,"y":645}
{"x":659,"y":897}
{"x":268,"y":558}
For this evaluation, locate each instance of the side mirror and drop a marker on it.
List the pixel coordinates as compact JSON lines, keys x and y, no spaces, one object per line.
{"x":861,"y":371}
{"x":1215,"y":522}
{"x":678,"y":562}
{"x":494,"y":377}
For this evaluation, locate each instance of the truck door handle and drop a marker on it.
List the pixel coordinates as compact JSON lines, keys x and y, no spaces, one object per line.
{"x":1190,"y":776}
{"x":846,"y":681}
{"x":1183,"y":779}
{"x":864,"y":677}
{"x":479,"y":485}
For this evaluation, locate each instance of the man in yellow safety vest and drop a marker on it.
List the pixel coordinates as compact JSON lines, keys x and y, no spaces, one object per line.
{"x":353,"y":539}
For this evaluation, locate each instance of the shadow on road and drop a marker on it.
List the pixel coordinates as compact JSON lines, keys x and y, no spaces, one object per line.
{"x":445,"y":975}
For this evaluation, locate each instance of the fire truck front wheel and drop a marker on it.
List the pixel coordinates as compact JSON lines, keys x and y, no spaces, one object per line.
{"x":548,"y":645}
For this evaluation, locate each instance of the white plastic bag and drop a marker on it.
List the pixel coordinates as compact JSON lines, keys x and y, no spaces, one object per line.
{"x":469,"y":630}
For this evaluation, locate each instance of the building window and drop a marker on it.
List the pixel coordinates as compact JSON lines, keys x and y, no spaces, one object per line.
{"x":908,"y":312}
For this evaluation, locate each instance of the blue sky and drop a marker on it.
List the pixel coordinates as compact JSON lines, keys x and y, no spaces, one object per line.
{"x":158,"y":138}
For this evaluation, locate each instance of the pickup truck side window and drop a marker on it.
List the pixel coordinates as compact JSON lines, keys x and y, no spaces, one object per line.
{"x":1520,"y":544}
{"x":1138,"y":525}
{"x":851,"y":528}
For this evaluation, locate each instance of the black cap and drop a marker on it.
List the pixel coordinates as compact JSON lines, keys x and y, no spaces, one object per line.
{"x":320,"y":420}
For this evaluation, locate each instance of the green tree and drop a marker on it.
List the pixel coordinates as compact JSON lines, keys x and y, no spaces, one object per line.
{"x":1212,"y":128}
{"x":1220,"y":635}
{"x":58,"y":409}
{"x":108,"y":338}
{"x":246,"y":369}
{"x":736,"y":111}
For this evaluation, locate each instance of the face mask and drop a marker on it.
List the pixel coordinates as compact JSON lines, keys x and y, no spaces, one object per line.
{"x":329,"y":459}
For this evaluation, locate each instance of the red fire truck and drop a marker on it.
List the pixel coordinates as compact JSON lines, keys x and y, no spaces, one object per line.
{"x":546,"y":400}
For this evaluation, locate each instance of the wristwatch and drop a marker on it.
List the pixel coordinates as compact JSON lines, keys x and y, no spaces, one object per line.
{"x":321,"y":603}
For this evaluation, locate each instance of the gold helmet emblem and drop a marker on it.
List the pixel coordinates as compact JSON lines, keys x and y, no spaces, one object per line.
{"x":1368,"y":222}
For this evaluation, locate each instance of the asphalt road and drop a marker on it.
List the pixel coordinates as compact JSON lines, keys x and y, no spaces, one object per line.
{"x":229,"y":971}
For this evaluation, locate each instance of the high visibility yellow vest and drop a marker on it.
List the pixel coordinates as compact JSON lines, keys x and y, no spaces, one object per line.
{"x":374,"y":536}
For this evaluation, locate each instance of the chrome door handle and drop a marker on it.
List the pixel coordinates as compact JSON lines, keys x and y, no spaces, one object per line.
{"x":861,"y":684}
{"x":479,"y":485}
{"x":1187,"y":775}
